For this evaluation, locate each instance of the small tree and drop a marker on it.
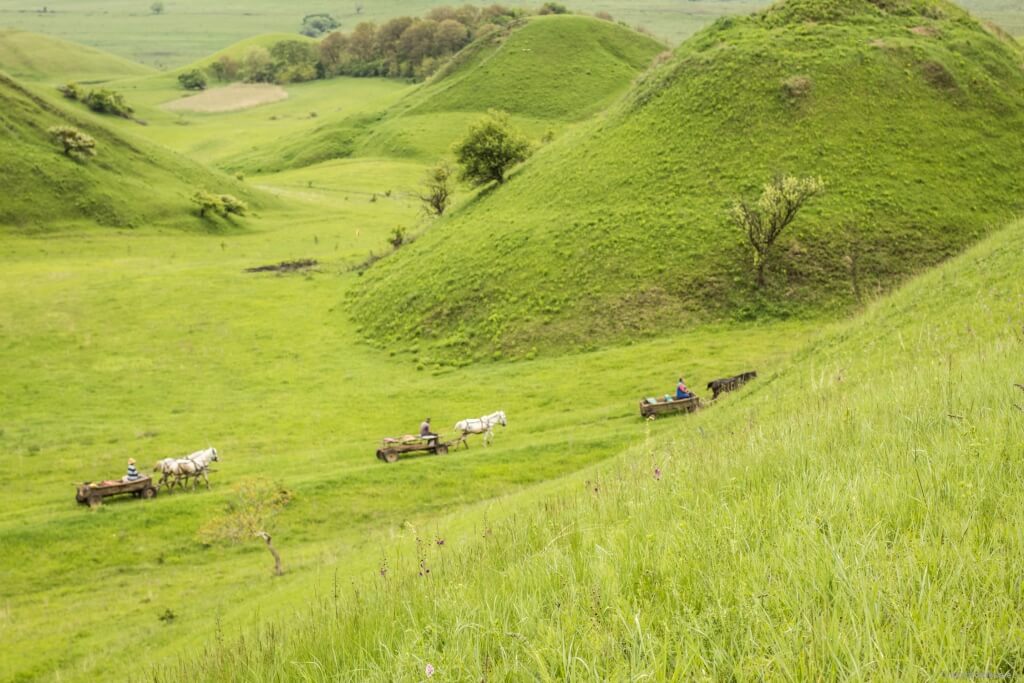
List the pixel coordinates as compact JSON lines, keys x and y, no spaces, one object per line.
{"x":778,"y":205}
{"x":208,"y":203}
{"x":438,"y":194}
{"x":72,"y":91}
{"x":248,"y":515}
{"x":398,"y":237}
{"x":74,"y":141}
{"x":108,"y":102}
{"x":553,"y":8}
{"x":315,"y":25}
{"x":193,"y":79}
{"x":491,"y":147}
{"x":225,"y":68}
{"x":157,"y":7}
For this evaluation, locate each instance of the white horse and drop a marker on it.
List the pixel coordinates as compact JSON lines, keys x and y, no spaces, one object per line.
{"x":195,"y":465}
{"x":177,"y":471}
{"x":483,"y":425}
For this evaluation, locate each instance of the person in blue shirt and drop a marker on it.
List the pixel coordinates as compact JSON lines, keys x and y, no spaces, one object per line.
{"x":681,"y":390}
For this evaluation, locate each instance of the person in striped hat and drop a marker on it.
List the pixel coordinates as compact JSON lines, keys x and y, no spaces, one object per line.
{"x":133,"y":473}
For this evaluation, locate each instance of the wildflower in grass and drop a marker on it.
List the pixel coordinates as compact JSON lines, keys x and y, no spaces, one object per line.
{"x":429,"y":670}
{"x":439,"y":540}
{"x":657,"y":474}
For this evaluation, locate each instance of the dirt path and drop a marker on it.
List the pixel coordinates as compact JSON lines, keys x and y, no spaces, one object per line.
{"x":229,"y":98}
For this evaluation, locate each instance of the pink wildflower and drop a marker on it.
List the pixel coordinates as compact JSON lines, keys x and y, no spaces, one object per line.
{"x":657,"y":474}
{"x":429,"y":670}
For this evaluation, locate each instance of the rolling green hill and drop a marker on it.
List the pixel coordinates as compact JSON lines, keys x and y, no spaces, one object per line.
{"x":548,"y":71}
{"x":36,"y":57}
{"x":832,"y":522}
{"x":127,"y":184}
{"x":909,"y":109}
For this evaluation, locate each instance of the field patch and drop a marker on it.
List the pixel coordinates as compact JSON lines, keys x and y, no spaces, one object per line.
{"x":234,"y":97}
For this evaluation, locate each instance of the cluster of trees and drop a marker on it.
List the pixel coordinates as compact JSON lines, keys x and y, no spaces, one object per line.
{"x":409,"y":47}
{"x":288,"y":61}
{"x":404,"y":47}
{"x":193,"y":79}
{"x":101,"y":100}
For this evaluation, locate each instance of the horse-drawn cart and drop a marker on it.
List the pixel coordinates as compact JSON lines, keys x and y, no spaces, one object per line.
{"x":93,"y":493}
{"x":651,"y":410}
{"x":391,"y":449}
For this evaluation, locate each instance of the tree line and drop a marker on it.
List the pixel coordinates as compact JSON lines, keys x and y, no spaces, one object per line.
{"x":403,"y":47}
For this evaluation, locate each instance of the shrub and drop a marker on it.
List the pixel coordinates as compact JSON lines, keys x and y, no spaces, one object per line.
{"x":553,"y":8}
{"x":258,"y":67}
{"x":797,"y":87}
{"x":157,"y":7}
{"x":72,"y":91}
{"x":107,"y":102}
{"x":491,"y":147}
{"x":438,"y":193}
{"x":207,"y":203}
{"x":225,"y":68}
{"x":75,"y":142}
{"x":604,"y":16}
{"x":192,"y":80}
{"x":315,"y":25}
{"x":398,"y":237}
{"x":233,"y":205}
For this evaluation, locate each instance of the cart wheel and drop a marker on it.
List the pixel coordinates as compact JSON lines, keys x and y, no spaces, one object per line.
{"x":148,"y":492}
{"x":441,"y":450}
{"x":95,"y":500}
{"x":391,"y":456}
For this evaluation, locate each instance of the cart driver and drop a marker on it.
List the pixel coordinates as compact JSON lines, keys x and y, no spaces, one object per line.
{"x":681,"y":390}
{"x":426,"y":432}
{"x":133,"y":473}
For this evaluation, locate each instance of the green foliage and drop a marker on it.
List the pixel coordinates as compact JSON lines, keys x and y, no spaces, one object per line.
{"x":106,"y":101}
{"x":437,"y":193}
{"x":72,"y":91}
{"x":223,"y":205}
{"x":193,"y":79}
{"x":704,"y":126}
{"x":294,"y":61}
{"x":225,"y":68}
{"x":73,"y":141}
{"x":315,"y":25}
{"x":762,"y":223}
{"x":157,"y":7}
{"x":491,"y":147}
{"x":553,"y":8}
{"x":233,"y":205}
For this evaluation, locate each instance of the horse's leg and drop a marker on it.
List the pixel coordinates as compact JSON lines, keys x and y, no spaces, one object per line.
{"x":207,"y":480}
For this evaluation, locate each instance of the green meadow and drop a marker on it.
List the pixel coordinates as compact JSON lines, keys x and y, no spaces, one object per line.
{"x":848,"y":515}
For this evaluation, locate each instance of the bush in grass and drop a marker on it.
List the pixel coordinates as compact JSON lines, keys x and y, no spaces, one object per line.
{"x":233,"y":205}
{"x":553,"y":8}
{"x":107,"y":102}
{"x":779,"y":204}
{"x":72,"y":91}
{"x":75,"y":142}
{"x":193,"y":79}
{"x":437,"y":194}
{"x":797,"y":87}
{"x":490,"y":149}
{"x":157,"y":7}
{"x":225,"y":68}
{"x":315,"y":25}
{"x":208,"y":204}
{"x":258,"y":67}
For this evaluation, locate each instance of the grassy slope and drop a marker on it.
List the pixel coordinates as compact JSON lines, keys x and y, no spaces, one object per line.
{"x":562,"y":255}
{"x":36,"y":57}
{"x":550,"y":71}
{"x":853,"y":515}
{"x":127,"y":184}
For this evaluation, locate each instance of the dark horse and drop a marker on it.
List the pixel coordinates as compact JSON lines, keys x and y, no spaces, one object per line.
{"x":720,"y":386}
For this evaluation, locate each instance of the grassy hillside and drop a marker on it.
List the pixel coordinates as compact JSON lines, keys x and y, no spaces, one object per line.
{"x":852,"y":516}
{"x":557,"y":67}
{"x":546,"y":72}
{"x":127,"y":184}
{"x":36,"y":57}
{"x":911,"y":115}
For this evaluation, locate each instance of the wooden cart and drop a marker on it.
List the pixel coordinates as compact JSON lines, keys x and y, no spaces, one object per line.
{"x":391,"y":449}
{"x":93,"y":493}
{"x":683,"y":405}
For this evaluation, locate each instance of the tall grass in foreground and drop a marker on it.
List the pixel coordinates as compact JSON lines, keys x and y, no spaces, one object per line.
{"x":853,"y":517}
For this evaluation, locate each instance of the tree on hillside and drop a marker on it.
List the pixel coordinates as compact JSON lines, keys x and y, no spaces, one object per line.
{"x":108,"y":102}
{"x":193,"y":79}
{"x":257,"y":66}
{"x":225,"y":68}
{"x":763,"y":222}
{"x":75,"y":142}
{"x":157,"y":7}
{"x":294,"y":61}
{"x":207,"y":203}
{"x":553,"y":8}
{"x":438,"y":191}
{"x":490,"y":149}
{"x":248,"y":515}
